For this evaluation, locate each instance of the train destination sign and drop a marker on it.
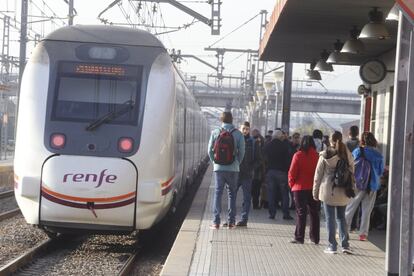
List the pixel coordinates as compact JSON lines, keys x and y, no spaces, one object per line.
{"x":100,"y":70}
{"x":109,"y":70}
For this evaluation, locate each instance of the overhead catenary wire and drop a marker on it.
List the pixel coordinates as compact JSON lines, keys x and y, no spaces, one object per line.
{"x":234,"y":59}
{"x":236,"y":29}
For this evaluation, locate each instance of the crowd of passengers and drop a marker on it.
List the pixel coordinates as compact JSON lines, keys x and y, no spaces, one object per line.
{"x":300,"y":173}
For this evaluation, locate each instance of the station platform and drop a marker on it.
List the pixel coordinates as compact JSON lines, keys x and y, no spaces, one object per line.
{"x":261,"y":248}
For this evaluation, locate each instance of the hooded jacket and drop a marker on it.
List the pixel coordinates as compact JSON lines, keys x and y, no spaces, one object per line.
{"x":377,"y":165}
{"x":323,"y":181}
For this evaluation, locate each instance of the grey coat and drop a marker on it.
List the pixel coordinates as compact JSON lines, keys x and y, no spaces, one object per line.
{"x":322,"y":184}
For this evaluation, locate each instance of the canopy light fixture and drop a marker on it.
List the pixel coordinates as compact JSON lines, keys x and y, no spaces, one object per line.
{"x":312,"y":74}
{"x":375,"y":29}
{"x":322,"y":65}
{"x":353,"y":45}
{"x":393,"y":14}
{"x":336,"y":56}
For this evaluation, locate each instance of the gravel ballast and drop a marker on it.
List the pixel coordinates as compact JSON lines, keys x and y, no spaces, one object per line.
{"x":17,"y":237}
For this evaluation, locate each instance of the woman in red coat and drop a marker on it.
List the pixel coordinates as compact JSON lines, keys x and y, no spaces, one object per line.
{"x":301,"y":173}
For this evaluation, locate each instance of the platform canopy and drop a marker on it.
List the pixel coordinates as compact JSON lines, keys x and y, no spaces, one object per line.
{"x":299,"y":30}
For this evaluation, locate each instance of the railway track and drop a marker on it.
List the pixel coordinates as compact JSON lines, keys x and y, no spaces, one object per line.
{"x":65,"y":255}
{"x":24,"y":259}
{"x":9,"y":214}
{"x":8,"y":205}
{"x":6,"y":194}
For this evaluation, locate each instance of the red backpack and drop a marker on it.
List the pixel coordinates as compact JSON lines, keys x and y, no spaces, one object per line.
{"x":224,"y":147}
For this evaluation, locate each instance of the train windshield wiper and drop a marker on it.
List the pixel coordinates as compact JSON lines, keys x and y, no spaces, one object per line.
{"x":125,"y":107}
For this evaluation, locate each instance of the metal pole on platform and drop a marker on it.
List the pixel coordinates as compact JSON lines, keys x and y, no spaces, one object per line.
{"x":23,"y":40}
{"x":286,"y":98}
{"x":267,"y":113}
{"x":71,"y":12}
{"x":277,"y":93}
{"x":392,"y":257}
{"x":407,"y":197}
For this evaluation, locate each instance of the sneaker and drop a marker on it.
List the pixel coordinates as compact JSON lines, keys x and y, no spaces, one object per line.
{"x":296,"y":241}
{"x":288,"y":217}
{"x":272,"y":216}
{"x":231,"y":226}
{"x":215,"y":226}
{"x":329,"y":250}
{"x":314,"y":242}
{"x":362,"y":237}
{"x":347,"y":250}
{"x":241,"y":223}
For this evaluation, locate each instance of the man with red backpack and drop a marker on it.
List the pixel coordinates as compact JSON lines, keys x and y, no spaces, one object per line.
{"x":226,"y":150}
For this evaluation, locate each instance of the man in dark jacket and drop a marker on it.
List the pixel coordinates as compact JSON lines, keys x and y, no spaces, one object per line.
{"x":247,"y":166}
{"x":278,"y":157}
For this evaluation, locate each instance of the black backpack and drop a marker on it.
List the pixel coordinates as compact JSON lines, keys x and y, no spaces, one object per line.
{"x":224,"y":147}
{"x":343,"y":178}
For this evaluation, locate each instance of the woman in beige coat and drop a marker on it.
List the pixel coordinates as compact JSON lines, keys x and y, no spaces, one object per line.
{"x":334,"y":199}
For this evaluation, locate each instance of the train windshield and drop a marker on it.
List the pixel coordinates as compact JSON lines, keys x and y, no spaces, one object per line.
{"x":89,"y":92}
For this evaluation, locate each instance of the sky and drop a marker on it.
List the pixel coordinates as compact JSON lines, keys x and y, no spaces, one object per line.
{"x":193,"y":40}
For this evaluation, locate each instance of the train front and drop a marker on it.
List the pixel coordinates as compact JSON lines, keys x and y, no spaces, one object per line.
{"x":80,"y":125}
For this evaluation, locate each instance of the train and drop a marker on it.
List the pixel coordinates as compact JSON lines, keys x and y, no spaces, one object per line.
{"x":108,"y":137}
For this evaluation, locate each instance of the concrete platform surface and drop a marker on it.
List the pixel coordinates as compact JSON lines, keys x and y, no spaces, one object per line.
{"x":261,"y":248}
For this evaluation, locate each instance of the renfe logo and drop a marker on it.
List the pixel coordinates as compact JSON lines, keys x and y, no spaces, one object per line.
{"x":90,"y":177}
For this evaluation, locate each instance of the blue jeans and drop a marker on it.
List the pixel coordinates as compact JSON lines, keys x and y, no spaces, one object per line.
{"x":222,"y":178}
{"x":331,"y":226}
{"x":246,"y":185}
{"x":277,"y":180}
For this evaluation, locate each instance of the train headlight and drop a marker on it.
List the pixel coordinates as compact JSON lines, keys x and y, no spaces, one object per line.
{"x":125,"y":144}
{"x":57,"y":140}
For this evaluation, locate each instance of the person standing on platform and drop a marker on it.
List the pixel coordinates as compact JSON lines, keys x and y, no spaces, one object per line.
{"x":366,"y":197}
{"x":317,"y":138}
{"x":226,"y":151}
{"x":301,"y":175}
{"x":276,"y":154}
{"x":334,"y":198}
{"x":259,"y":171}
{"x":250,"y":162}
{"x":295,"y":143}
{"x":353,"y":141}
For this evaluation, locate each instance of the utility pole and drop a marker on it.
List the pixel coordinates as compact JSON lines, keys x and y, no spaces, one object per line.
{"x":220,"y":56}
{"x":260,"y":64}
{"x":71,"y":12}
{"x":5,"y":51}
{"x":23,"y":40}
